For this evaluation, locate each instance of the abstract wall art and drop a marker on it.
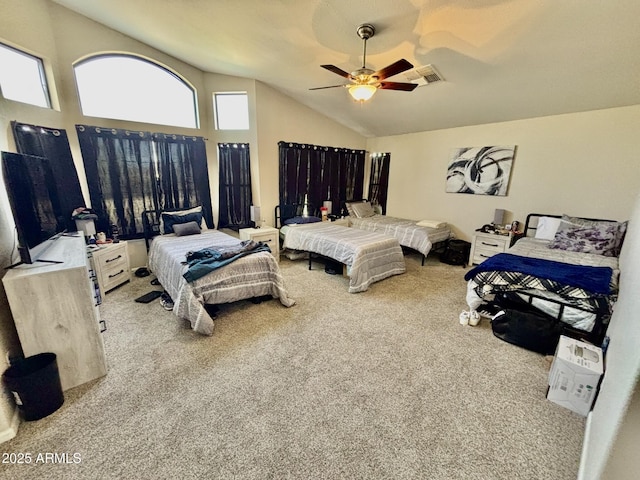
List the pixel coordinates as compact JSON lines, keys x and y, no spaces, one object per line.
{"x":480,"y":170}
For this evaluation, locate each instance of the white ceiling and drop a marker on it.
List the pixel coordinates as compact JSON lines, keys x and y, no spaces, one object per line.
{"x":500,"y":59}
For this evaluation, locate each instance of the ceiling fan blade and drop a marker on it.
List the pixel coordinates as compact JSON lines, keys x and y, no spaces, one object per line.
{"x":405,"y":87}
{"x":331,"y":86}
{"x":393,"y":69}
{"x":339,"y":71}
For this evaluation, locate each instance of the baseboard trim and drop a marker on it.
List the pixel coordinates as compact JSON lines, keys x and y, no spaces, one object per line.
{"x":12,"y":431}
{"x":585,"y":448}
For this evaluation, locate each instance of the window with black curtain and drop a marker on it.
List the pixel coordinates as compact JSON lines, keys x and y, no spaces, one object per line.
{"x":235,"y":186}
{"x":379,"y":180}
{"x":125,"y":179}
{"x":53,"y":144}
{"x":318,"y":173}
{"x":183,"y":173}
{"x":121,"y":177}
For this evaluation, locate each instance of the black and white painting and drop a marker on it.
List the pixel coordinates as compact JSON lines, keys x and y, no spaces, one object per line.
{"x":480,"y":170}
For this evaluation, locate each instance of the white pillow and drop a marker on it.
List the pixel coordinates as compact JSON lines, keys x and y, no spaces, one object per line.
{"x":547,"y":228}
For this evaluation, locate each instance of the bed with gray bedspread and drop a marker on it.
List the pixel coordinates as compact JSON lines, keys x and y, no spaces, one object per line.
{"x":369,"y":256}
{"x":408,"y":233}
{"x":252,"y":276}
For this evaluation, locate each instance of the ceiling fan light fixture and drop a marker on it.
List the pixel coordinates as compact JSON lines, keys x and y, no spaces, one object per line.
{"x":362,"y":93}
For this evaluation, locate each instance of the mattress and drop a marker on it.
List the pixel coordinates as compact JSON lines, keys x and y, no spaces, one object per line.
{"x":254,"y":275}
{"x":408,"y":233}
{"x":369,"y":256}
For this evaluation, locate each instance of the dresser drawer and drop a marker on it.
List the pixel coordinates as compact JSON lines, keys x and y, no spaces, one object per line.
{"x":486,"y":246}
{"x":111,"y":264}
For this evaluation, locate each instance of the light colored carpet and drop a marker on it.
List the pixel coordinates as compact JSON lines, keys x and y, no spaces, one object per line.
{"x":384,"y":384}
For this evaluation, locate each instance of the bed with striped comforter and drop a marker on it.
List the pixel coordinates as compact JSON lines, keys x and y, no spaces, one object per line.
{"x":369,"y":256}
{"x":408,"y":233}
{"x":254,"y":275}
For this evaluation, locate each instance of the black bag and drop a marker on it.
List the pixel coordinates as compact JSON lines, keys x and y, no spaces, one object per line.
{"x":456,"y":253}
{"x":520,"y":324}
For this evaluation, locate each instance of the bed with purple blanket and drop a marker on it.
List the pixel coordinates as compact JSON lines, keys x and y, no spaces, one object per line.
{"x":565,"y":266}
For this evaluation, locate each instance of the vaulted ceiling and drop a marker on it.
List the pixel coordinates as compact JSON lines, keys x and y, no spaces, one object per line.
{"x":500,"y":60}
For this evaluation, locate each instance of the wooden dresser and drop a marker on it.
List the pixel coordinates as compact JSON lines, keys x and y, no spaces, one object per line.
{"x":54,"y":308}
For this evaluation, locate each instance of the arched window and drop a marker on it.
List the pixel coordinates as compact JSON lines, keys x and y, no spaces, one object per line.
{"x":128,"y":87}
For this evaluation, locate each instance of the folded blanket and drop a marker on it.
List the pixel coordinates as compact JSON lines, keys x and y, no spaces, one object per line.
{"x":593,"y":279}
{"x":431,"y":223}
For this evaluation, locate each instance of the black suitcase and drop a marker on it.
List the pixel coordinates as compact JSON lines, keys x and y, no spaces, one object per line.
{"x":456,"y":253}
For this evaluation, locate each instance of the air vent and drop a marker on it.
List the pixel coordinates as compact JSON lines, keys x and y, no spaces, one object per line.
{"x":425,"y":75}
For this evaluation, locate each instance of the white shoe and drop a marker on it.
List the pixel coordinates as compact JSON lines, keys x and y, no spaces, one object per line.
{"x":464,"y":318}
{"x":474,"y":318}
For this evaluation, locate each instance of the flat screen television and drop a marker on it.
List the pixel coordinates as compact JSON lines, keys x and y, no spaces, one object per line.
{"x":35,"y":204}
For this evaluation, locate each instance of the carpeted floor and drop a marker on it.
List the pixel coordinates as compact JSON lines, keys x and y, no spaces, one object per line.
{"x":384,"y":384}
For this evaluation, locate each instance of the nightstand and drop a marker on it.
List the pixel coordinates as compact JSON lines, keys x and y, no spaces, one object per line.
{"x":487,"y":245}
{"x":268,"y":235}
{"x":111,"y":264}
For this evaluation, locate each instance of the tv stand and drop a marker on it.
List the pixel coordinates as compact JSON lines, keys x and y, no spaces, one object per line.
{"x":54,"y":309}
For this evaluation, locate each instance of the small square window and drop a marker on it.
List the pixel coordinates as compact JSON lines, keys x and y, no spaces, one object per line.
{"x":22,"y":77}
{"x":231,"y":111}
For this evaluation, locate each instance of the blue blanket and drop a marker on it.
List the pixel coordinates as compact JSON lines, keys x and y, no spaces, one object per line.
{"x":591,"y":279}
{"x":209,"y":259}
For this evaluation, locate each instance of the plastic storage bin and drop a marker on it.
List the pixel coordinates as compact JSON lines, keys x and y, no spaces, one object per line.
{"x":35,"y":384}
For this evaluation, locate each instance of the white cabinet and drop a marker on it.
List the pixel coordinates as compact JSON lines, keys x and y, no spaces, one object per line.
{"x":55,"y":310}
{"x":486,"y":245}
{"x":268,"y":235}
{"x":111,"y":264}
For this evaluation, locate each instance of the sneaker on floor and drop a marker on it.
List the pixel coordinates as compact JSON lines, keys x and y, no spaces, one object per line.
{"x":166,"y":301}
{"x":464,"y":318}
{"x":474,"y":318}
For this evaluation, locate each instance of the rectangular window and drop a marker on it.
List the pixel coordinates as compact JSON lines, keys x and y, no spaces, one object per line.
{"x":22,"y":77}
{"x":231,"y":110}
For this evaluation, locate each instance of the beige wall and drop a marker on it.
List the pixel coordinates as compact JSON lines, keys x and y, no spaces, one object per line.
{"x":282,"y":119}
{"x":584,"y":164}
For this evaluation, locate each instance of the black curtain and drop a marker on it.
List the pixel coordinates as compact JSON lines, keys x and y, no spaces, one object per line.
{"x":53,"y":144}
{"x":318,"y":173}
{"x":379,"y":180}
{"x":351,"y":174}
{"x":121,"y":177}
{"x":235,"y":186}
{"x":183,"y":173}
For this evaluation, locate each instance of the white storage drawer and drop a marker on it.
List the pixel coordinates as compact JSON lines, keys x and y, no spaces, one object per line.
{"x":486,"y":245}
{"x":111,"y":264}
{"x":268,"y":235}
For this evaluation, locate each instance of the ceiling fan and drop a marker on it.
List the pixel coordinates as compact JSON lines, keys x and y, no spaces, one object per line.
{"x":364,"y":81}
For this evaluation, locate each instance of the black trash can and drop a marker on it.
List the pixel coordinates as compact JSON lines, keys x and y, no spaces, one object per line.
{"x":35,"y":384}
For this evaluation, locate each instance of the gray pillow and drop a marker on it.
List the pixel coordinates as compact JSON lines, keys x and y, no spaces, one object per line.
{"x":188,"y":228}
{"x":363,"y":210}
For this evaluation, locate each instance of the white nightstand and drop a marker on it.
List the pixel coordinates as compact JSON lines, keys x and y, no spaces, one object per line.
{"x":486,"y":245}
{"x":111,"y":264}
{"x":268,"y":235}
